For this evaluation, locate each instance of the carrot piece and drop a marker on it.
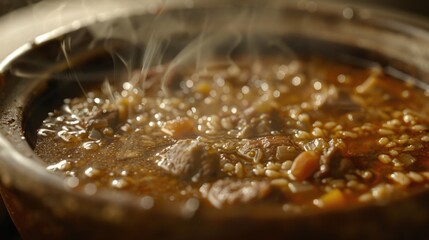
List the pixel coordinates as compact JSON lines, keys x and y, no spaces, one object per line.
{"x":305,"y":165}
{"x":179,"y":128}
{"x":332,"y":199}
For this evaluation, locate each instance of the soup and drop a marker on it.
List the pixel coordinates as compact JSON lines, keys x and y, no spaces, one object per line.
{"x":303,"y":134}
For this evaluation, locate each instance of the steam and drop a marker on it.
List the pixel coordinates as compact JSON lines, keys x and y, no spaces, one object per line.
{"x":65,"y":46}
{"x":211,"y":34}
{"x":168,"y":36}
{"x":198,"y":52}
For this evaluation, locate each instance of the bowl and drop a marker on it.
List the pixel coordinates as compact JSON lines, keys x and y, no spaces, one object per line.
{"x":89,"y":43}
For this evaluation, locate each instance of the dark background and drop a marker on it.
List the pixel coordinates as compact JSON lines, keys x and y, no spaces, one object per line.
{"x":421,"y":8}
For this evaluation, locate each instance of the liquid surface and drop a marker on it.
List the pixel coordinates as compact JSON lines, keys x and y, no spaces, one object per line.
{"x":303,"y":134}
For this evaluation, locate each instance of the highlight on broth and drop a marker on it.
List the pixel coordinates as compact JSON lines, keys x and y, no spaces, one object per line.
{"x":306,"y":133}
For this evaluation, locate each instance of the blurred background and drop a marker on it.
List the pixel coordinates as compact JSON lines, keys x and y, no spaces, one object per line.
{"x":414,"y":6}
{"x":7,"y":231}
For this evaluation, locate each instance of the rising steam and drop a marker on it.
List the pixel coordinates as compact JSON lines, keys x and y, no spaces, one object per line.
{"x":168,"y":36}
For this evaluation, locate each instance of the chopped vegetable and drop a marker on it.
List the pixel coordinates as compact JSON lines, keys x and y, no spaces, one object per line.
{"x":179,"y":128}
{"x":332,"y":199}
{"x":305,"y":165}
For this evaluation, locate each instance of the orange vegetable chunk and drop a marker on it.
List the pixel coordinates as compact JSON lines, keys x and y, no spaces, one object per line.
{"x":332,"y":199}
{"x":305,"y":165}
{"x":179,"y":128}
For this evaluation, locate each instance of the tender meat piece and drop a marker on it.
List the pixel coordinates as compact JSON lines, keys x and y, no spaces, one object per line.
{"x":227,"y":192}
{"x":190,"y":160}
{"x":332,"y":160}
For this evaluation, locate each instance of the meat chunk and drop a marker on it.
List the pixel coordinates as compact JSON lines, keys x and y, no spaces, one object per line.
{"x":189,"y":160}
{"x":332,"y":154}
{"x":227,"y":192}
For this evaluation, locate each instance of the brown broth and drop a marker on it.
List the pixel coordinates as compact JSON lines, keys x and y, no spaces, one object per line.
{"x":230,"y":134}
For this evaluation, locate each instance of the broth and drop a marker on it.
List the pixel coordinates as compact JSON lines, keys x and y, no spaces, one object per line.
{"x":303,"y":134}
